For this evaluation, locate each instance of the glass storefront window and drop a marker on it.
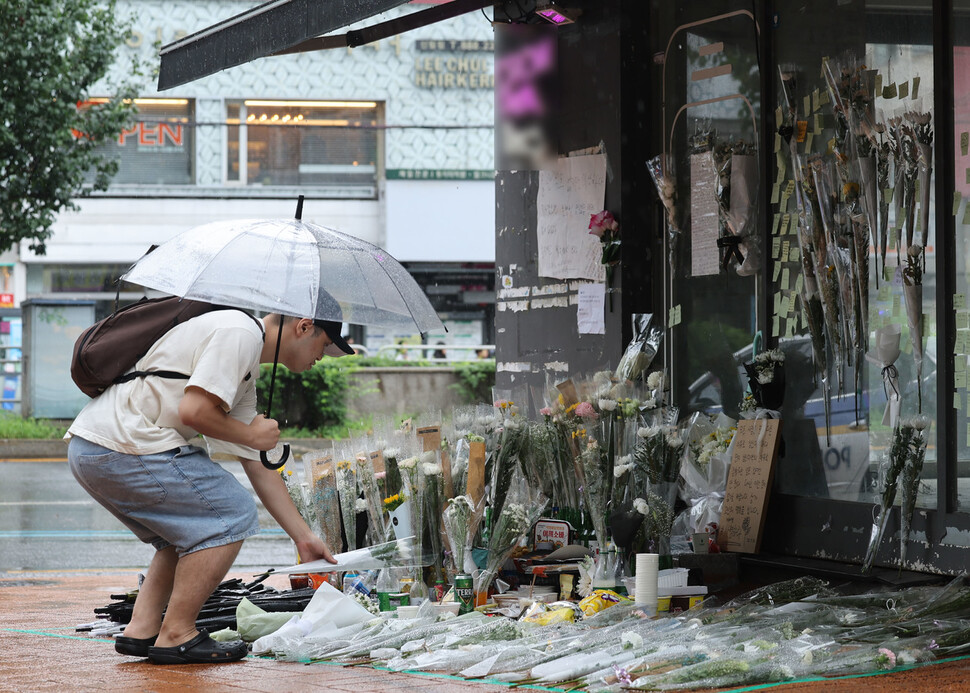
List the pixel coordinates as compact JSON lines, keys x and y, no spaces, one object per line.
{"x":159,"y":149}
{"x":961,"y":209}
{"x":847,"y":254}
{"x":307,"y":143}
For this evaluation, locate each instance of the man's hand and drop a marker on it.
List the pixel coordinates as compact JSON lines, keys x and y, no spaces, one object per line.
{"x":265,"y":433}
{"x":313,"y":549}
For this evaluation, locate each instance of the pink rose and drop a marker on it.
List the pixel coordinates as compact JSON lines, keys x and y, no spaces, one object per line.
{"x":585,"y":410}
{"x":546,"y":411}
{"x":602,"y":222}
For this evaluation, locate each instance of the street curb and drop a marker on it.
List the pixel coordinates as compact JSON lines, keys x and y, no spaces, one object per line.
{"x":42,"y":448}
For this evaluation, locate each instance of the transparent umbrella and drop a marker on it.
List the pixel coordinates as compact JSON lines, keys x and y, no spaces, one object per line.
{"x":291,"y":267}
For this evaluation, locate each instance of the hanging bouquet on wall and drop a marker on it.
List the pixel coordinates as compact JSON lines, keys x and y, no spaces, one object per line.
{"x":605,"y":227}
{"x":913,"y":439}
{"x":907,"y":451}
{"x":766,"y":380}
{"x":913,"y":295}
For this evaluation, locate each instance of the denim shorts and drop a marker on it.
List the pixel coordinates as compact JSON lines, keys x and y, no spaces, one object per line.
{"x":178,"y":498}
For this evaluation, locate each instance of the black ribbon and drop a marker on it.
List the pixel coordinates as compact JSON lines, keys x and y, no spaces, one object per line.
{"x":893,"y":374}
{"x":731,"y":243}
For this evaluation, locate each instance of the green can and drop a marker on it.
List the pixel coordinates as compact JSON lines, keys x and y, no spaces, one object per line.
{"x":464,"y":593}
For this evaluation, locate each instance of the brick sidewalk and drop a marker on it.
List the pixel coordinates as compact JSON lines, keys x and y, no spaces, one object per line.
{"x":40,"y":651}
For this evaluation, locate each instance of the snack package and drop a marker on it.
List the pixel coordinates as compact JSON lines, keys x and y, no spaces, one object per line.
{"x":551,"y":616}
{"x":600,"y":600}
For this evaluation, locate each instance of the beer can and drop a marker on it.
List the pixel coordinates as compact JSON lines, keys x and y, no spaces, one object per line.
{"x":464,"y":593}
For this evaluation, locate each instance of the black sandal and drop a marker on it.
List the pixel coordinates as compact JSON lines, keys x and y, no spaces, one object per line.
{"x":136,"y":647}
{"x":199,"y":650}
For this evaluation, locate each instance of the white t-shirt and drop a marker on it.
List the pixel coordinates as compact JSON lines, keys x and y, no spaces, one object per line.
{"x":220,"y":353}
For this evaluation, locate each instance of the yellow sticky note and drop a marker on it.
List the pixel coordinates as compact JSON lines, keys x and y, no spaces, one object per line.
{"x":779,"y":118}
{"x":776,"y":272}
{"x":774,"y":326}
{"x":775,"y":193}
{"x":963,"y":320}
{"x":915,"y":87}
{"x":808,"y":142}
{"x":794,"y":255}
{"x":777,"y":142}
{"x":785,"y":246}
{"x":959,"y":301}
{"x":889,"y":92}
{"x":960,"y":377}
{"x":774,"y":223}
{"x":790,"y":331}
{"x":878,"y":89}
{"x":960,"y":365}
{"x":775,"y":247}
{"x":958,"y":401}
{"x":785,"y":279}
{"x":904,"y":90}
{"x":799,"y":281}
{"x":816,"y":104}
{"x":807,"y":105}
{"x":819,"y":123}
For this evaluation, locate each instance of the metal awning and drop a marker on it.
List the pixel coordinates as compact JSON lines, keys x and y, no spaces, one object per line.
{"x":290,"y":26}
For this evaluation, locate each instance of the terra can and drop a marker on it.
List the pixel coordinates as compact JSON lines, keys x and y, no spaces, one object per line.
{"x":464,"y":593}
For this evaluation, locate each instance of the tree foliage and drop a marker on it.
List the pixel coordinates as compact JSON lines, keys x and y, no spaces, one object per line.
{"x":51,"y":54}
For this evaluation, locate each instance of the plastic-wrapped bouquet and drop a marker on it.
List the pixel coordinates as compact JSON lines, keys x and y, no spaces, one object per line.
{"x":460,"y":520}
{"x":908,"y":449}
{"x":766,"y":379}
{"x":520,"y":511}
{"x":347,"y":490}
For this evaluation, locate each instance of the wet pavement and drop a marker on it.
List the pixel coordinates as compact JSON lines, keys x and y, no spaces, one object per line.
{"x":62,"y":556}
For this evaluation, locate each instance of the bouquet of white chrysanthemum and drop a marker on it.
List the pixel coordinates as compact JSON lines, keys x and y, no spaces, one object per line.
{"x":300,"y":495}
{"x":460,"y":521}
{"x":520,"y":511}
{"x":399,"y":553}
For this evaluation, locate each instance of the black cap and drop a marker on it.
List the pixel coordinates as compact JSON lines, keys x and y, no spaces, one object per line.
{"x":333,"y":329}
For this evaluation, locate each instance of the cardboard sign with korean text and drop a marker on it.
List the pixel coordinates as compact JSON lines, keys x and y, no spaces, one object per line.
{"x":749,"y":485}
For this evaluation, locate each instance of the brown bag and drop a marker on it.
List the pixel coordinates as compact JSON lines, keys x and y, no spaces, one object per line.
{"x":110,"y":347}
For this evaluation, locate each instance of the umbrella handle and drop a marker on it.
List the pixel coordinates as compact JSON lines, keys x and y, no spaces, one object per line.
{"x":271,"y":465}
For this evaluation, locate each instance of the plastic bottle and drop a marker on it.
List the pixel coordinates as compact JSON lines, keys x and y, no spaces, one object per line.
{"x":350,"y":582}
{"x":419,"y":591}
{"x":386,"y":585}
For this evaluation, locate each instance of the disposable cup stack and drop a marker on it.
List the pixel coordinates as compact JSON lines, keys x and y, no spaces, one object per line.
{"x":645,"y":593}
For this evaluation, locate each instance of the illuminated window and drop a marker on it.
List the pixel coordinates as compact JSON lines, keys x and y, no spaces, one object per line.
{"x":159,"y":148}
{"x":306,"y":143}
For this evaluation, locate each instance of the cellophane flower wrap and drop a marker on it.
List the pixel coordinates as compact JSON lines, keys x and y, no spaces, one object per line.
{"x":300,"y":495}
{"x":347,"y":490}
{"x":884,"y":350}
{"x":520,"y":511}
{"x":704,"y":472}
{"x":367,"y":482}
{"x":460,"y":520}
{"x":913,"y":438}
{"x":908,"y":448}
{"x":605,"y":227}
{"x":657,"y":458}
{"x":913,"y":296}
{"x":400,"y":553}
{"x":412,"y":477}
{"x":504,"y":457}
{"x":434,"y":495}
{"x":321,"y":469}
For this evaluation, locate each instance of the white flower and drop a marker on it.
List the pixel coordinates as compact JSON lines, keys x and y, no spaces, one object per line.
{"x":674,"y":440}
{"x":640,"y":505}
{"x":631,"y":640}
{"x":408,"y":463}
{"x":620,"y":469}
{"x":648,"y":431}
{"x":650,"y":403}
{"x":392,"y":453}
{"x":655,"y":380}
{"x":607,"y":404}
{"x":431,"y":468}
{"x":361,"y":505}
{"x":427,"y":457}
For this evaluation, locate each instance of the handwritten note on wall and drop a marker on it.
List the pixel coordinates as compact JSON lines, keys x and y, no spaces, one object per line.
{"x":569,"y":192}
{"x":748,"y":485}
